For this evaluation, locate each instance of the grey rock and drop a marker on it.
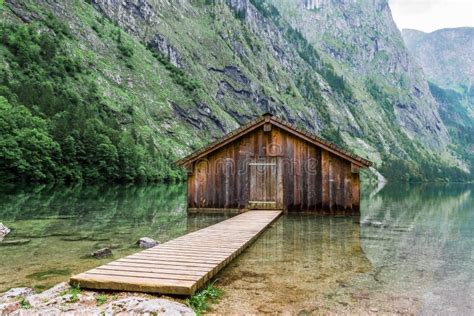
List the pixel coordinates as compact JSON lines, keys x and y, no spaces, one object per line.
{"x":48,"y":295}
{"x":162,"y":46}
{"x":102,"y":253}
{"x":146,"y":242}
{"x":140,"y":305}
{"x":15,"y":293}
{"x":4,"y":230}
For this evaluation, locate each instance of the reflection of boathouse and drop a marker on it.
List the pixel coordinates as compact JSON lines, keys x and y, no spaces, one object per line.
{"x":270,"y":164}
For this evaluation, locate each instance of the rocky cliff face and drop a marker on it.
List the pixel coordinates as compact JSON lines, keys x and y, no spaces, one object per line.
{"x":447,"y":58}
{"x":446,"y":55}
{"x":202,"y":68}
{"x":362,"y":39}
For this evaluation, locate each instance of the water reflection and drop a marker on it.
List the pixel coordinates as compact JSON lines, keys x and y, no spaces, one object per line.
{"x":59,"y":226}
{"x":422,"y":245}
{"x":411,"y":250}
{"x":412,"y":253}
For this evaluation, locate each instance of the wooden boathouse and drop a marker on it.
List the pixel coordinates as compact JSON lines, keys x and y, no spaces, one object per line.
{"x":270,"y":164}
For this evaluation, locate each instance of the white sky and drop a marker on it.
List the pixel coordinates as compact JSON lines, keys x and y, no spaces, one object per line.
{"x":430,"y":15}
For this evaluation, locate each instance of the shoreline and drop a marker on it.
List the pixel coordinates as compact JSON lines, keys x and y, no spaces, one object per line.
{"x":65,"y":299}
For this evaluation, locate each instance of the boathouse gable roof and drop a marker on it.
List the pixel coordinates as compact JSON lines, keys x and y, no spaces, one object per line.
{"x":268,"y":118}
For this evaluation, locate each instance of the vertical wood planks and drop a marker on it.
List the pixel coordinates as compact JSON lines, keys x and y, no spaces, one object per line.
{"x":325,"y":178}
{"x":225,"y":180}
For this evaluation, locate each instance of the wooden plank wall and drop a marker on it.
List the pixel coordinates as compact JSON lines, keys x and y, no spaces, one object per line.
{"x":314,"y":179}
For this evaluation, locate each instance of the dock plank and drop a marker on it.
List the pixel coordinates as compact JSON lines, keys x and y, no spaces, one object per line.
{"x":182,"y":265}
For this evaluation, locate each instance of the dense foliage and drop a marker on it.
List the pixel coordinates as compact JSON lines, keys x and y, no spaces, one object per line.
{"x":55,"y":124}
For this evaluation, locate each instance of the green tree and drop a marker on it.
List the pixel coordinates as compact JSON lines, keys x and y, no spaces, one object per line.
{"x":27,"y":151}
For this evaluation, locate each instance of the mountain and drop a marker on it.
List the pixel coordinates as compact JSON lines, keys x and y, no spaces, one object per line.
{"x":447,"y":58}
{"x":118,"y":90}
{"x":446,"y":55}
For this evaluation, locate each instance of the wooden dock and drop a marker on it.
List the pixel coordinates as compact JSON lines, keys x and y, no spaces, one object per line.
{"x":182,"y":265}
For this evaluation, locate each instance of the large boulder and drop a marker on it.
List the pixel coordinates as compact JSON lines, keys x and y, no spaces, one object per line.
{"x":146,"y":242}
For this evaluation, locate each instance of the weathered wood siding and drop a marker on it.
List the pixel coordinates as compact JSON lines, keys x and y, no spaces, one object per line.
{"x":311,"y":179}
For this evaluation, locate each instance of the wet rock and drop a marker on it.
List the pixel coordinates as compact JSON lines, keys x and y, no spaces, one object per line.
{"x":4,"y":230}
{"x":15,"y":242}
{"x":368,"y":222}
{"x":140,"y":305}
{"x":146,"y":242}
{"x":15,"y":293}
{"x":102,"y":253}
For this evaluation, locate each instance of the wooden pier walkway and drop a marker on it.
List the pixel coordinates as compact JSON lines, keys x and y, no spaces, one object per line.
{"x":182,"y":265}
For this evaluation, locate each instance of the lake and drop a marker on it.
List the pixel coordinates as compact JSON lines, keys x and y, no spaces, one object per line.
{"x":410,"y":251}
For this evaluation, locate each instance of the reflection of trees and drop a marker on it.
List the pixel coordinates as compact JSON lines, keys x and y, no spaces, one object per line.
{"x":65,"y":224}
{"x":96,"y":208}
{"x":419,"y":237}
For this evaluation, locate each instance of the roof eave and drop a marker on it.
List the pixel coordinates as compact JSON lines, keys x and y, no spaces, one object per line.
{"x":228,"y":138}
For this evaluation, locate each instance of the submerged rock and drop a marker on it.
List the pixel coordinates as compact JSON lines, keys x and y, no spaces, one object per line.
{"x":4,"y":230}
{"x":102,"y":253}
{"x":377,"y":224}
{"x":14,"y":242}
{"x":146,"y":242}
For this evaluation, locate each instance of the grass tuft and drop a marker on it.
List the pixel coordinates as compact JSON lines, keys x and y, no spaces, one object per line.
{"x":24,"y":304}
{"x":199,"y":301}
{"x":74,"y":291}
{"x":101,"y":299}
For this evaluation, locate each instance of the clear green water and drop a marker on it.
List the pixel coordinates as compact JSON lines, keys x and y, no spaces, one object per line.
{"x":411,"y":250}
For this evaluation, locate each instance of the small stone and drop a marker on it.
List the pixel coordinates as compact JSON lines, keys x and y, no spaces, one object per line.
{"x":102,"y":253}
{"x":4,"y":230}
{"x":146,"y":242}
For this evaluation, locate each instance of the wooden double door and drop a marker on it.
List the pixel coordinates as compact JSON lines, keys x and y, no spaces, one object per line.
{"x":266,"y":186}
